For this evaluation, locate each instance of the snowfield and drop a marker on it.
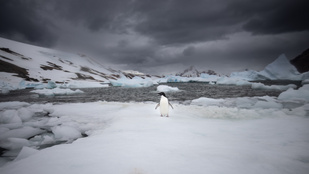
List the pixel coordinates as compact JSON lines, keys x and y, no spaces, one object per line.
{"x":234,"y":135}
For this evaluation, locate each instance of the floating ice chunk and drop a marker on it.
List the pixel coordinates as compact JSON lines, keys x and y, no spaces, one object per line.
{"x":25,"y":114}
{"x":177,"y":79}
{"x":232,"y":81}
{"x":24,"y":132}
{"x":291,"y":94}
{"x":272,"y":87}
{"x":306,"y":81}
{"x":49,"y":85}
{"x":5,"y":90}
{"x":247,"y":75}
{"x":203,"y":101}
{"x":66,"y":133}
{"x":25,"y":152}
{"x":14,"y":143}
{"x":135,"y":82}
{"x":209,"y":77}
{"x":6,"y":87}
{"x":83,"y":84}
{"x":48,"y":139}
{"x":57,"y":91}
{"x":165,"y":88}
{"x":267,"y":105}
{"x":10,"y":119}
{"x":12,"y":105}
{"x":245,"y":102}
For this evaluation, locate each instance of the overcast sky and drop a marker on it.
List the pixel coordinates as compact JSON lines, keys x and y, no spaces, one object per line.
{"x":163,"y":36}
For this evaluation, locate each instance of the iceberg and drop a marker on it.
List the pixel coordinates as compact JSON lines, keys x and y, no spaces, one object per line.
{"x":280,"y":69}
{"x":57,"y":91}
{"x":291,"y":94}
{"x":203,"y":78}
{"x":232,"y":81}
{"x":272,"y":87}
{"x":165,"y":88}
{"x":135,"y":82}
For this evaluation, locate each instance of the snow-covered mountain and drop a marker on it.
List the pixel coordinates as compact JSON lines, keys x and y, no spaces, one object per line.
{"x":37,"y":64}
{"x":193,"y":72}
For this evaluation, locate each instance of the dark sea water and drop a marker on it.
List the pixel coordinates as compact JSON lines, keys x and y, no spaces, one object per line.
{"x":188,"y":91}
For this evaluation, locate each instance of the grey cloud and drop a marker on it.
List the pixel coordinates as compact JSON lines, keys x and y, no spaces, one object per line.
{"x":108,"y":29}
{"x":189,"y":51}
{"x":22,"y":19}
{"x":280,"y":17}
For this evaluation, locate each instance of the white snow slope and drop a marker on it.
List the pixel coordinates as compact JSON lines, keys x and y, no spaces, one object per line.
{"x":45,"y":64}
{"x":242,"y":135}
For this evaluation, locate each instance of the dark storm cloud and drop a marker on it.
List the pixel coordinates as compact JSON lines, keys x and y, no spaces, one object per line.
{"x":145,"y":33}
{"x":94,"y":14}
{"x":279,"y":17}
{"x":166,"y":21}
{"x":21,"y":20}
{"x":182,"y":21}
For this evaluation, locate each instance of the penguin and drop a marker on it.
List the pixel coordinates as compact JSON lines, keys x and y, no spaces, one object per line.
{"x":163,"y":105}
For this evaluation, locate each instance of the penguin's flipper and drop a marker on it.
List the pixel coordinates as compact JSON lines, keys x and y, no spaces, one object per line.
{"x":157,"y":105}
{"x":170,"y":105}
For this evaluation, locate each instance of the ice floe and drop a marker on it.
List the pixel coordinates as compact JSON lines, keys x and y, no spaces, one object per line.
{"x":166,"y":88}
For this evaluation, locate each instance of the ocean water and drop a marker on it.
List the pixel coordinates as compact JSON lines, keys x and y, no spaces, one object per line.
{"x":187,"y":92}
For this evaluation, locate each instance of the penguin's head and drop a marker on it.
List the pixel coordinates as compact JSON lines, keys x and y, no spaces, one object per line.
{"x":162,"y":93}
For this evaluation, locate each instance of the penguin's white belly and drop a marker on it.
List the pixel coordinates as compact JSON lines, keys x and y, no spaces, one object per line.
{"x":164,"y":106}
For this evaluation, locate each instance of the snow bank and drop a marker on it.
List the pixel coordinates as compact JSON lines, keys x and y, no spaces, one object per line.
{"x":292,"y":94}
{"x":165,"y":88}
{"x":133,"y":138}
{"x":56,"y":91}
{"x":135,"y":82}
{"x":25,"y":152}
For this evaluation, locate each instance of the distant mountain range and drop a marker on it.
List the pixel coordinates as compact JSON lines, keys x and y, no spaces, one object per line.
{"x":193,"y":72}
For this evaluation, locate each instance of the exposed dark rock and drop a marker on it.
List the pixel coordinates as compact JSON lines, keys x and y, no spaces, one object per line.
{"x":6,"y":58}
{"x":14,"y":53}
{"x":11,"y":68}
{"x":301,"y":62}
{"x":193,"y":72}
{"x":51,"y":66}
{"x":83,"y":77}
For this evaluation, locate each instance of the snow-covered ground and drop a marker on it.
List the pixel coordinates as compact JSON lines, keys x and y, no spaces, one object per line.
{"x":232,"y":135}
